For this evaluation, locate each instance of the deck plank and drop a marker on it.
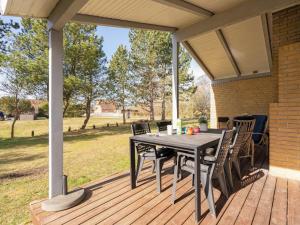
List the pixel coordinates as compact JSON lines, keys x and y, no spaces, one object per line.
{"x":154,"y":204}
{"x":279,"y":209}
{"x":151,"y":198}
{"x":264,"y":208}
{"x":102,"y":190}
{"x":189,"y":208}
{"x":248,"y":211}
{"x":293,"y":202}
{"x":106,"y":202}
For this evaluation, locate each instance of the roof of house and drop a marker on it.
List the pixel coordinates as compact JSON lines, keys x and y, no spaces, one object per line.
{"x":228,"y":39}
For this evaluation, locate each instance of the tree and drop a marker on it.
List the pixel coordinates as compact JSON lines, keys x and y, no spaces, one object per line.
{"x":151,"y":59}
{"x":92,"y":72}
{"x":5,"y":33}
{"x":13,"y":85}
{"x":31,"y":48}
{"x":120,"y":82}
{"x":201,"y":98}
{"x":142,"y":67}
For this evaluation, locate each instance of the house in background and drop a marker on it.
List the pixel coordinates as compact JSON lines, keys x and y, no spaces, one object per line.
{"x":35,"y":104}
{"x":110,"y":109}
{"x":106,"y":109}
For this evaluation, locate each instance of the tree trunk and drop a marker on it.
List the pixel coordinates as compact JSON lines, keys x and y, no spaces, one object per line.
{"x":124,"y":114}
{"x":163,"y":106}
{"x":151,"y":110}
{"x":66,"y":107}
{"x":12,"y":132}
{"x":87,"y":113}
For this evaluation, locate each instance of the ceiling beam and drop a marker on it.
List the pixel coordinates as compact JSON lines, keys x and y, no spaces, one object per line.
{"x":63,"y":12}
{"x":186,"y":6}
{"x":228,"y":52}
{"x":266,"y":30}
{"x":243,"y":11}
{"x":243,"y":77}
{"x":102,"y":21}
{"x":190,"y":49}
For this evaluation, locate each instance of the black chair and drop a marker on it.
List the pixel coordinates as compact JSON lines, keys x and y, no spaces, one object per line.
{"x":247,"y":149}
{"x":241,"y":138}
{"x":149,"y":152}
{"x":162,"y":125}
{"x":211,"y":168}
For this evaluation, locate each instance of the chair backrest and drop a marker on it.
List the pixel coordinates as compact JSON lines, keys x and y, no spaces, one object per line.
{"x":246,"y":127}
{"x":162,"y":125}
{"x":247,"y":124}
{"x":241,"y":138}
{"x":260,"y":127}
{"x":140,"y":128}
{"x":222,"y":151}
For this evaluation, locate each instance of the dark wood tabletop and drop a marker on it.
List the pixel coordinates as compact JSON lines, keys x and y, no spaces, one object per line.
{"x":184,"y":141}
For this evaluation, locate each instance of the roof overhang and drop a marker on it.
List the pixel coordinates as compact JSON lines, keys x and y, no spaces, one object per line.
{"x":218,"y":34}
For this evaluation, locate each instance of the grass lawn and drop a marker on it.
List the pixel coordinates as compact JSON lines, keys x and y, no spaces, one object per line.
{"x":88,"y":155}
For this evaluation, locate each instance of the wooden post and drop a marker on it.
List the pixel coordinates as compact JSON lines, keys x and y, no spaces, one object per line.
{"x":175,"y":80}
{"x":55,"y":113}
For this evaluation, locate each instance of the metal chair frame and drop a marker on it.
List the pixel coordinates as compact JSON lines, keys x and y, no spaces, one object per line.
{"x":149,"y":152}
{"x":212,"y":167}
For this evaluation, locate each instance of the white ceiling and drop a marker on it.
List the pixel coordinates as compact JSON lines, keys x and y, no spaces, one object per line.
{"x":245,"y":39}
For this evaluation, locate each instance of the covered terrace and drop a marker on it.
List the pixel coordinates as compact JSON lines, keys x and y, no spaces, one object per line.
{"x":250,"y":49}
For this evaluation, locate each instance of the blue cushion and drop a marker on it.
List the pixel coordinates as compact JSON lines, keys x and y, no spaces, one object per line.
{"x":259,"y":127}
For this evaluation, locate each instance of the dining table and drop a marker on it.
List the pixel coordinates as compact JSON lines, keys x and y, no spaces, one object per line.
{"x":195,"y":144}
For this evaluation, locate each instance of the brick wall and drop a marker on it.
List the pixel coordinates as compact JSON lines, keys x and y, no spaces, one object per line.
{"x":285,"y":115}
{"x":278,"y":95}
{"x":251,"y":96}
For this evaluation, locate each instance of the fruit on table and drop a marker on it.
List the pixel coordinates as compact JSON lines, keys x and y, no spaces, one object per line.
{"x":190,"y":131}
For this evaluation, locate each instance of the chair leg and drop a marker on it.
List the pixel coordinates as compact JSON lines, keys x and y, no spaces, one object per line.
{"x":252,"y":153}
{"x":140,"y":163}
{"x":193,"y":180}
{"x":153,"y":166}
{"x":228,"y":171}
{"x":210,"y":196}
{"x":223,"y":185}
{"x":176,"y":175}
{"x":236,"y":165}
{"x":158,"y":175}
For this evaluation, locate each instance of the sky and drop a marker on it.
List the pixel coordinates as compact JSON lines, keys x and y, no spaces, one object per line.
{"x":113,"y":37}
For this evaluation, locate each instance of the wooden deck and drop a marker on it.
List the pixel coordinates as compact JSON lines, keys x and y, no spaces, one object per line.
{"x":258,"y":199}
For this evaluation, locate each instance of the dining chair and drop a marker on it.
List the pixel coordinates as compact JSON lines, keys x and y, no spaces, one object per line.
{"x":212,"y":167}
{"x":150,"y":152}
{"x":162,"y":125}
{"x":240,"y":138}
{"x":247,"y":149}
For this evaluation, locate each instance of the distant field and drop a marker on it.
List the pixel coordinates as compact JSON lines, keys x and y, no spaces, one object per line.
{"x":24,"y":160}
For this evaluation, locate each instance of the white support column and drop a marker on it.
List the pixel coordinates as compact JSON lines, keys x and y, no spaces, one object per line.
{"x":175,"y":80}
{"x":55,"y":113}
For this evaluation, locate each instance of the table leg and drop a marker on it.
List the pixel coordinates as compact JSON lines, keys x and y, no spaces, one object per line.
{"x":197,"y":186}
{"x":132,"y":164}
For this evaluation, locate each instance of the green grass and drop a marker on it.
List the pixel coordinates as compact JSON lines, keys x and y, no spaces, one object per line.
{"x":24,"y":160}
